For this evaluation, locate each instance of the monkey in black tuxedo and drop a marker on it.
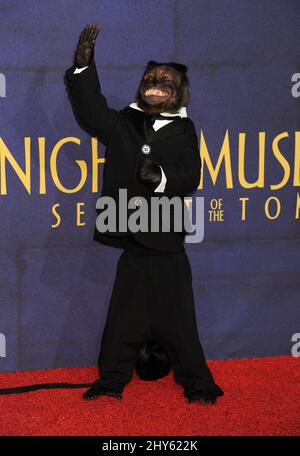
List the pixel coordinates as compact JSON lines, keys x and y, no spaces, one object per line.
{"x":151,"y":322}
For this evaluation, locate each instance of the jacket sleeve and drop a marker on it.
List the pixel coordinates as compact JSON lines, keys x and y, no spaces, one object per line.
{"x":184,"y":177}
{"x":89,"y":104}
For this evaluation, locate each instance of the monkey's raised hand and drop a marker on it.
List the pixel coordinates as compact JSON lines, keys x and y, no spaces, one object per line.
{"x":149,"y":172}
{"x":84,"y":53}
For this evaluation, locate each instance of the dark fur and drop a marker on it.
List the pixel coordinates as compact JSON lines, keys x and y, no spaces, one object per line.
{"x":177,"y":85}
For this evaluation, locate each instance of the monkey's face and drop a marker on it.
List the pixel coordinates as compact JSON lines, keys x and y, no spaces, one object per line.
{"x":162,"y":89}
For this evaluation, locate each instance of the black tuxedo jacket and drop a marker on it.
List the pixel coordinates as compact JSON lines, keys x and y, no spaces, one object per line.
{"x":174,"y":147}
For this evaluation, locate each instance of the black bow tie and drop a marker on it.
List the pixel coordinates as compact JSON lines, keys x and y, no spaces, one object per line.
{"x":150,"y":119}
{"x":160,"y":116}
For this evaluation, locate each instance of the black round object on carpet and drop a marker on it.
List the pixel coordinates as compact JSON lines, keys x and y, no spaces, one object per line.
{"x":153,"y":362}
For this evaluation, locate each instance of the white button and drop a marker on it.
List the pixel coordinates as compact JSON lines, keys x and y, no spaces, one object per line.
{"x":146,"y":149}
{"x":138,"y":202}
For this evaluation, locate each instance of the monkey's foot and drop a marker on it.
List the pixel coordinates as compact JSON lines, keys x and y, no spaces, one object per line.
{"x":205,"y":397}
{"x":97,"y":390}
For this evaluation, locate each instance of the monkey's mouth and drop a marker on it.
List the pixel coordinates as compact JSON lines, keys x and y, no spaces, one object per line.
{"x":156,"y":92}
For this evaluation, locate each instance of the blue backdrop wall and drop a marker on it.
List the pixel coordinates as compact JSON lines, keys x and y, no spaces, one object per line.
{"x":244,"y":63}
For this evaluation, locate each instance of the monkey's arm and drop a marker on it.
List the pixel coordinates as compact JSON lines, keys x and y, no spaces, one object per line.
{"x":184,"y":177}
{"x":89,"y":104}
{"x":174,"y":180}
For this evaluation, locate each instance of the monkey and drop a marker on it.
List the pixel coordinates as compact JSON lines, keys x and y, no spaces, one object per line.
{"x":163,"y":93}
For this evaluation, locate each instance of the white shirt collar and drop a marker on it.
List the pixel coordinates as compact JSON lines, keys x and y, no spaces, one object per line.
{"x":181,"y":112}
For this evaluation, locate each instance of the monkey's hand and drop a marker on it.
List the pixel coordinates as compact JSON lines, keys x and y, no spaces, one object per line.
{"x":84,"y":54}
{"x":149,"y":172}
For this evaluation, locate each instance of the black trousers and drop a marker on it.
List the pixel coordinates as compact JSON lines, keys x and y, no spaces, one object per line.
{"x":152,"y":300}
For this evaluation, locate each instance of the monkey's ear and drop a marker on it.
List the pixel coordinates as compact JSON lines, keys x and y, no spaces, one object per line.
{"x":151,"y":64}
{"x":179,"y":67}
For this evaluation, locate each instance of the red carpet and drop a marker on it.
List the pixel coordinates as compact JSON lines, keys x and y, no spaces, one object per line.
{"x":261,"y":397}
